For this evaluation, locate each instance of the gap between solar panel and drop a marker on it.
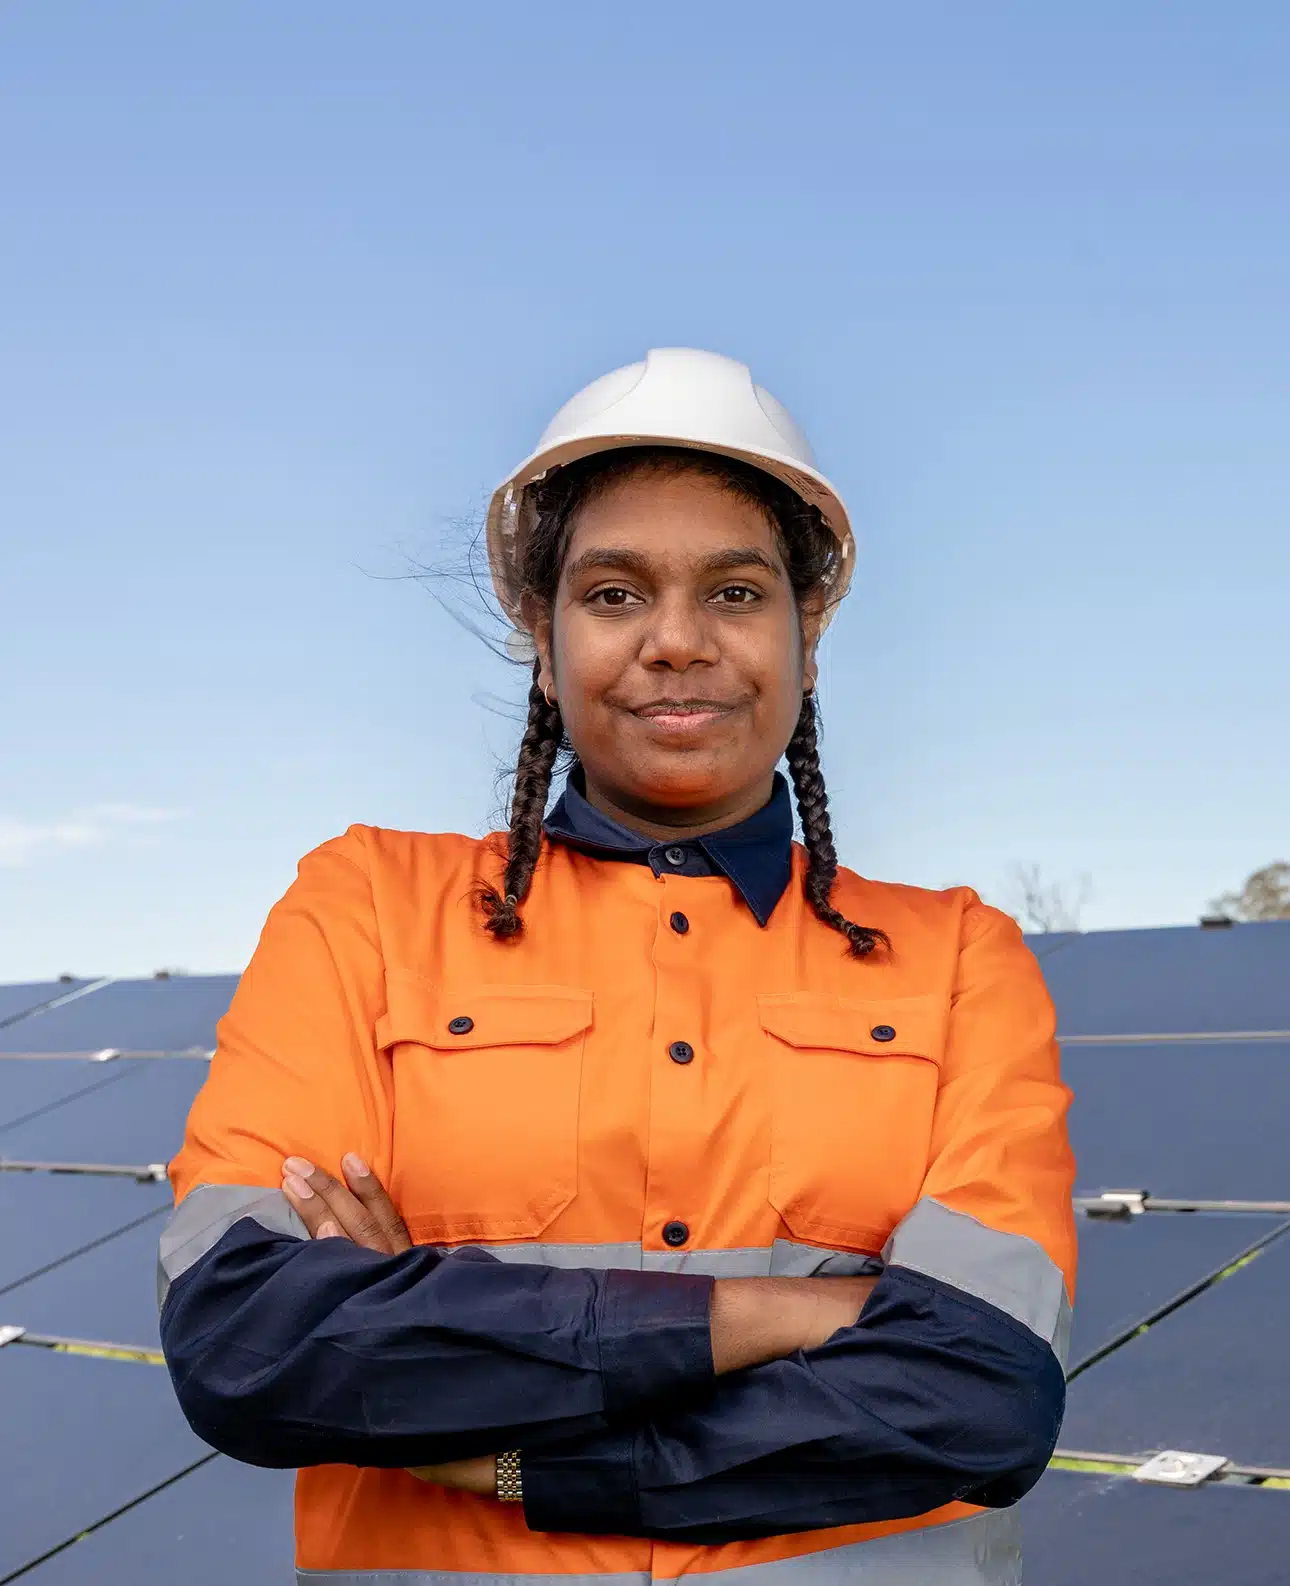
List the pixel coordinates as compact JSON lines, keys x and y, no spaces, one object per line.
{"x":1178,"y":1036}
{"x":1251,"y":1253}
{"x":1173,"y":1467}
{"x":108,"y":1054}
{"x":1120,"y":1205}
{"x":144,"y":1173}
{"x":11,"y":1333}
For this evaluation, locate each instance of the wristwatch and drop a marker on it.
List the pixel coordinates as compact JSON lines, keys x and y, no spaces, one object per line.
{"x":510,"y":1486}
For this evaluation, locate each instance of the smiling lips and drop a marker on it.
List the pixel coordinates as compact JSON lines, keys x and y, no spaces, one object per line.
{"x":684,"y":715}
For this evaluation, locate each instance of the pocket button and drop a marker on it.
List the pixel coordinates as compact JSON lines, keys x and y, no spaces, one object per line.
{"x":461,"y":1025}
{"x":883,"y":1032}
{"x":675,"y":1234}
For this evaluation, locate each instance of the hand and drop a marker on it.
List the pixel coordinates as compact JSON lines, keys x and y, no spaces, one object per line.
{"x":359,"y":1209}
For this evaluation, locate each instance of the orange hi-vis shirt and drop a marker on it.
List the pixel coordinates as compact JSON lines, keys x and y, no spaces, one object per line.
{"x":607,"y":1095}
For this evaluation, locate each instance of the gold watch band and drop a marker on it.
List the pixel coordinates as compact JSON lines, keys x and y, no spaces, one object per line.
{"x":510,"y":1486}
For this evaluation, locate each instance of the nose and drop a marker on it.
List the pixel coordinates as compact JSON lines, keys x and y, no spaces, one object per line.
{"x":680,"y":633}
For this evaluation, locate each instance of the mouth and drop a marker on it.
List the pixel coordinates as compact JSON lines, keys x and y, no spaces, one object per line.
{"x":684,"y":715}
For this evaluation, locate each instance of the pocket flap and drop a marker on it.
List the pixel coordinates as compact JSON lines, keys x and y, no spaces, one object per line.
{"x":456,"y":1019}
{"x":845,"y":1024}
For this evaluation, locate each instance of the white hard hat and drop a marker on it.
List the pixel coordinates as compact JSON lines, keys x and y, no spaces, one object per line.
{"x":677,"y":396}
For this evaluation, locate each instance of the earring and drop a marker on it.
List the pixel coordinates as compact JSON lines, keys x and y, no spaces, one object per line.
{"x":546,"y":695}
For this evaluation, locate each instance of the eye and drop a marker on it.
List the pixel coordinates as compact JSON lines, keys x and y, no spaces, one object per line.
{"x":611,"y":597}
{"x":737,"y":595}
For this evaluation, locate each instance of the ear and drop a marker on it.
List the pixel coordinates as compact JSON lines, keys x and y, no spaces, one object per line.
{"x":538,"y":621}
{"x":812,"y":627}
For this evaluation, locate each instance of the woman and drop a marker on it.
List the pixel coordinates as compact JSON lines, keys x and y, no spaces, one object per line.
{"x":729,"y":1219}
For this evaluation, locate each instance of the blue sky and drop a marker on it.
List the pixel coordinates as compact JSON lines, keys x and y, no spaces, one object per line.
{"x":287,"y":287}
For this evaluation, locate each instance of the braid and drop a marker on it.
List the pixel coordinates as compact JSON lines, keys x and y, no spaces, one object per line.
{"x":803,"y":756}
{"x":543,"y":735}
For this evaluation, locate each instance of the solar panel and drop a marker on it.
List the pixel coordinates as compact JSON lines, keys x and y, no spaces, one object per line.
{"x":223,"y":1523}
{"x":82,"y":1437}
{"x":1084,"y":1530}
{"x":15,"y":1001}
{"x":48,"y":1217}
{"x":30,"y":1085}
{"x":141,"y":1120}
{"x":1129,"y":1269}
{"x":1210,"y":1377}
{"x":1204,"y":1121}
{"x":108,"y":1294}
{"x":177,"y":1015}
{"x":1177,"y":981}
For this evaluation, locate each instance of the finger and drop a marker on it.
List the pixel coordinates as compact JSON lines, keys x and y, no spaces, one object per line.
{"x":338,"y":1203}
{"x":369,"y":1190}
{"x":307,"y":1206}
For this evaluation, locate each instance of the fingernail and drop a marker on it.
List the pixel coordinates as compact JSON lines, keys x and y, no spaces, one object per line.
{"x":355,"y":1165}
{"x":300,"y":1166}
{"x":297,"y":1186}
{"x":328,"y":1231}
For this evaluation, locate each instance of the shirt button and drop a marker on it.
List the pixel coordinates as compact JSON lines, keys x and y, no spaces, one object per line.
{"x":883,"y":1032}
{"x":461,"y":1025}
{"x":674,"y":856}
{"x":675,"y":1234}
{"x":679,"y":923}
{"x":681,"y":1052}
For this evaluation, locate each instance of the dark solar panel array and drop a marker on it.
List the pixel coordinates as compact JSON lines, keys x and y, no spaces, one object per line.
{"x":1179,"y":1058}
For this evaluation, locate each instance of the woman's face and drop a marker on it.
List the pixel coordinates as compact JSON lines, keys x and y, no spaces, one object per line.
{"x":675,"y":651}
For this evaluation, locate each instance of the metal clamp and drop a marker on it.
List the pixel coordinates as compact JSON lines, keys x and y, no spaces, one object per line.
{"x":1117,"y":1203}
{"x":1174,"y":1468}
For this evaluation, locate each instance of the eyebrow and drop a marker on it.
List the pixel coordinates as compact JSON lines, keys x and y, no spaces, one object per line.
{"x":622,"y":560}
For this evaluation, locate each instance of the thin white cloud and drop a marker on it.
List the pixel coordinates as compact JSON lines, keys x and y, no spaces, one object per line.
{"x":24,"y":842}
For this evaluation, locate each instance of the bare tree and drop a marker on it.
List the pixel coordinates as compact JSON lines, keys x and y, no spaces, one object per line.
{"x":1265,"y":896}
{"x":1041,"y":905}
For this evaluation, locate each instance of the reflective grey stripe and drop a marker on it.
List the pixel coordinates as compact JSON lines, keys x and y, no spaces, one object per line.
{"x":782,"y":1259}
{"x":206,"y":1214}
{"x":983,"y":1550}
{"x":210,"y":1210}
{"x":1008,"y":1271}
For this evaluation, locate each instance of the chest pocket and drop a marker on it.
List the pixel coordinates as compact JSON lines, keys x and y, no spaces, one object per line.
{"x":486,"y":1085}
{"x":854,"y":1087}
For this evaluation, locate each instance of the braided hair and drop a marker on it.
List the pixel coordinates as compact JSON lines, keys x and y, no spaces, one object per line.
{"x":810,"y":554}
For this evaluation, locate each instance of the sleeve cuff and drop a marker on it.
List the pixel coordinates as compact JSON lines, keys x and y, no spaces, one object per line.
{"x":655,"y":1337}
{"x":589,"y":1487}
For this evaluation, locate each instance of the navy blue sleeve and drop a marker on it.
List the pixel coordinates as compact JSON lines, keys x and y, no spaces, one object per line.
{"x":934,"y":1395}
{"x":287,"y":1352}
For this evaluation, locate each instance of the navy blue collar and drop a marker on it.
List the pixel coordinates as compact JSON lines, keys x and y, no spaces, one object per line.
{"x":755,"y":855}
